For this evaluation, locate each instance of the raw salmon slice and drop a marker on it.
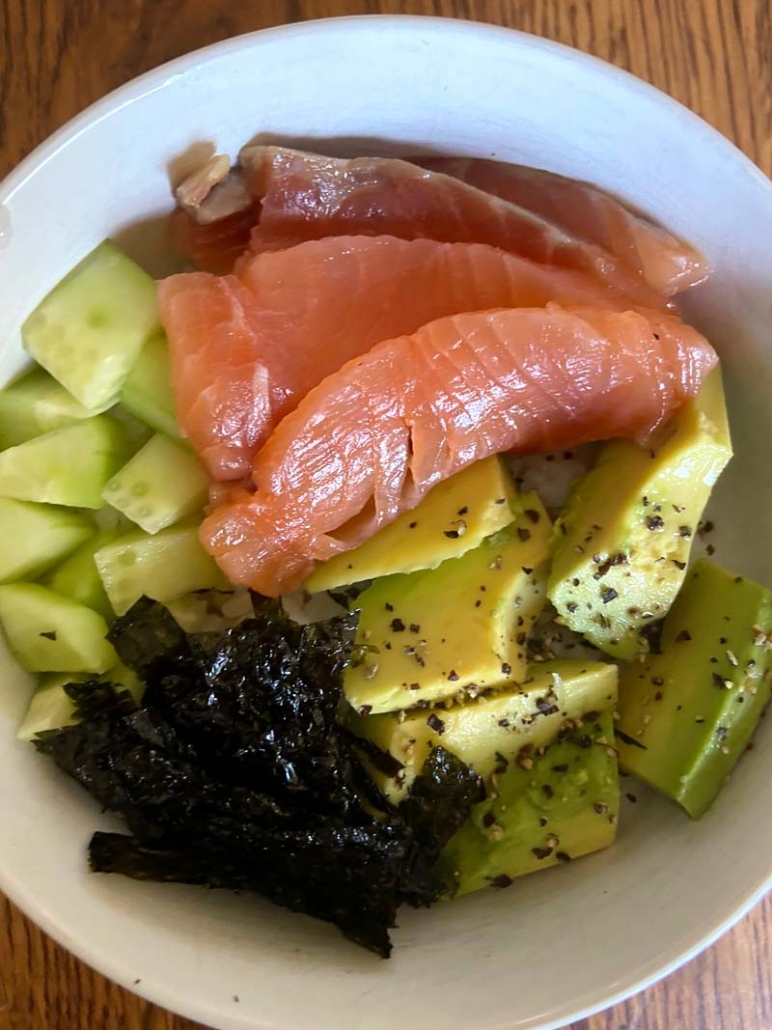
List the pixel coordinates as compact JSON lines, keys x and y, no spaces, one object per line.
{"x":587,"y":213}
{"x":306,"y":196}
{"x":370,"y":440}
{"x":245,"y":349}
{"x":213,"y":246}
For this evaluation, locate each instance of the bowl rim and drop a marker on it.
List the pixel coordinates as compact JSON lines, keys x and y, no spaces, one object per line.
{"x":158,"y":78}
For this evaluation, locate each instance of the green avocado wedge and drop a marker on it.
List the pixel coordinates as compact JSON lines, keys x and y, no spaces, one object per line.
{"x":622,"y":544}
{"x":462,"y":627}
{"x":686,"y":715}
{"x":453,"y":518}
{"x":492,"y":728}
{"x":557,"y":806}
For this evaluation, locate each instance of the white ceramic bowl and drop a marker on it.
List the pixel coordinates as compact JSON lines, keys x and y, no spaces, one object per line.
{"x":554,"y":947}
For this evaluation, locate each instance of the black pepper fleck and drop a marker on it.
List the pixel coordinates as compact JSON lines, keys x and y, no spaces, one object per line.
{"x":542,"y":852}
{"x":502,"y":881}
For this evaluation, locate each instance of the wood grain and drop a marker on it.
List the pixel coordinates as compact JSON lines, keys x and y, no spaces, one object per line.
{"x":57,"y":56}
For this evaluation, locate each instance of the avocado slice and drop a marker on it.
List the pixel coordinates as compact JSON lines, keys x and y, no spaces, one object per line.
{"x":562,"y":805}
{"x":621,"y":547}
{"x":458,"y":629}
{"x":453,"y":518}
{"x":493,"y":728}
{"x":687,"y":714}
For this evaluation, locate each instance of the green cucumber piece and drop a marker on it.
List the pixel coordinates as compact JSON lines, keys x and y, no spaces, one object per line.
{"x":90,"y":328}
{"x":33,"y":537}
{"x":147,"y":392}
{"x":67,"y":466}
{"x":77,"y":577}
{"x":50,"y":633}
{"x":50,"y":707}
{"x":36,"y":404}
{"x":137,"y":433}
{"x":163,"y":566}
{"x":161,"y":484}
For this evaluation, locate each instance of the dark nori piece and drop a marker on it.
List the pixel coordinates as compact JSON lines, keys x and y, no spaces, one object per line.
{"x":233,"y":771}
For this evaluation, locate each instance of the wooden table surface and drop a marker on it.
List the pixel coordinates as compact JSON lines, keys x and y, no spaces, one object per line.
{"x":57,"y":56}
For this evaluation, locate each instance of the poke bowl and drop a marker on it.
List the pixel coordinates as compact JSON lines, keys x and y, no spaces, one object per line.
{"x":553,"y":947}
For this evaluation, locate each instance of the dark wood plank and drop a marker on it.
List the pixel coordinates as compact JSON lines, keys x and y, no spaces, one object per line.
{"x":57,"y":56}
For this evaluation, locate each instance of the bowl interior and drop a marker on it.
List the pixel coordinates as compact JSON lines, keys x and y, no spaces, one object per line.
{"x":551,"y":947}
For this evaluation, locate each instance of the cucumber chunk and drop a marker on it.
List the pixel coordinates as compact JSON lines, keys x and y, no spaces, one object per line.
{"x":50,"y":633}
{"x":50,"y":708}
{"x":137,"y":433}
{"x":90,"y":328}
{"x":77,"y":577}
{"x":36,"y":404}
{"x":33,"y":537}
{"x":161,"y":484}
{"x":163,"y":566}
{"x":147,"y":392}
{"x":67,"y":466}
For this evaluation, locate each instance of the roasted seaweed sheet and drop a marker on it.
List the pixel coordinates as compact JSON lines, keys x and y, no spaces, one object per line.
{"x":233,"y":771}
